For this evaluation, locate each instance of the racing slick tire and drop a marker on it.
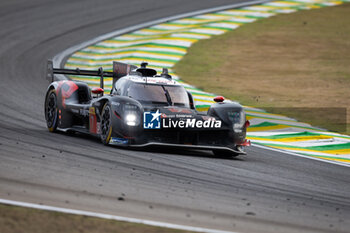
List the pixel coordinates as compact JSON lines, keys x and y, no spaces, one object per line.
{"x":106,"y":123}
{"x":224,"y":154}
{"x":51,"y":110}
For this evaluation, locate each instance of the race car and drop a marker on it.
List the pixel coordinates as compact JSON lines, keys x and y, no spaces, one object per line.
{"x":142,"y":109}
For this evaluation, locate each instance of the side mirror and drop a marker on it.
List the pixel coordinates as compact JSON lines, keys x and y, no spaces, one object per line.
{"x":219,"y":99}
{"x":97,"y":90}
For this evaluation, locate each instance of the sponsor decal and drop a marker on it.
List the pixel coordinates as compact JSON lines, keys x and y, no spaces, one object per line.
{"x":92,"y":110}
{"x":156,"y":120}
{"x":118,"y":141}
{"x":84,"y":112}
{"x":151,"y":120}
{"x":176,"y":116}
{"x":157,"y":80}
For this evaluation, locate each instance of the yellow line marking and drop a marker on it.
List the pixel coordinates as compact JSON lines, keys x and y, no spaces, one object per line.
{"x":330,"y":152}
{"x":294,"y":139}
{"x":338,"y":152}
{"x":267,"y":128}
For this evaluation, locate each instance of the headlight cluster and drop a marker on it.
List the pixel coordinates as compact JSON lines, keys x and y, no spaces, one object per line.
{"x":131,"y":119}
{"x":237,"y":119}
{"x":132,"y":115}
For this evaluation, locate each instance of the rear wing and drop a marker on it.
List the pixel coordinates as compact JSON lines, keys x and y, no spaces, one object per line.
{"x":119,"y":70}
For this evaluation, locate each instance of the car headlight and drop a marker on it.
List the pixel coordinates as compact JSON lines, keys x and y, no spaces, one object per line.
{"x":131,"y":119}
{"x":237,"y":119}
{"x":131,"y":114}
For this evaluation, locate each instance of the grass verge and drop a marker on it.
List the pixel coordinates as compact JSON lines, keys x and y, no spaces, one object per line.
{"x":296,"y":64}
{"x":15,"y":219}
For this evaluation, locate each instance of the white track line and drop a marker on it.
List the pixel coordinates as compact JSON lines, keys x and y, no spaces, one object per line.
{"x":111,"y":217}
{"x":303,"y":156}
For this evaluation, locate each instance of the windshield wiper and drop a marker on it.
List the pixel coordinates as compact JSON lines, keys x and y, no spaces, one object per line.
{"x":167,"y":96}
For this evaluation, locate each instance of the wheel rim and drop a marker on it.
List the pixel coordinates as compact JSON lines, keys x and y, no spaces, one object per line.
{"x":51,"y":110}
{"x":106,"y":121}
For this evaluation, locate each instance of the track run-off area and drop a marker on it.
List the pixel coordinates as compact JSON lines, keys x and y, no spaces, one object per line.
{"x":265,"y":191}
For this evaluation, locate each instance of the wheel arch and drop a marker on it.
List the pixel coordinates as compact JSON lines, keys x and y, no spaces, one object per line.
{"x":50,"y":87}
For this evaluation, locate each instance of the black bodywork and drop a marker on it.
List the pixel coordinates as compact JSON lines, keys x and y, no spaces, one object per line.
{"x":118,"y":118}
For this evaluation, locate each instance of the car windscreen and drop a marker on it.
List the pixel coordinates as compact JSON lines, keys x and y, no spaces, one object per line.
{"x":157,"y":94}
{"x":178,"y":95}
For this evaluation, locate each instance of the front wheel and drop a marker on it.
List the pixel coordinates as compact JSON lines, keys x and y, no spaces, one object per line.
{"x":106,"y":124}
{"x":51,"y":112}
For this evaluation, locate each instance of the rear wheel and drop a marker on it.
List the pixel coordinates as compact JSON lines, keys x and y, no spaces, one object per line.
{"x":106,"y":124}
{"x":51,"y":112}
{"x":224,"y":153}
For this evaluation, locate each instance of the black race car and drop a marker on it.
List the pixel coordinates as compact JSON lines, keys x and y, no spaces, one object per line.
{"x":142,"y":109}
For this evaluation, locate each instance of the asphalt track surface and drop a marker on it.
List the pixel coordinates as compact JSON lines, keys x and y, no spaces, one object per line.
{"x":265,"y":191}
